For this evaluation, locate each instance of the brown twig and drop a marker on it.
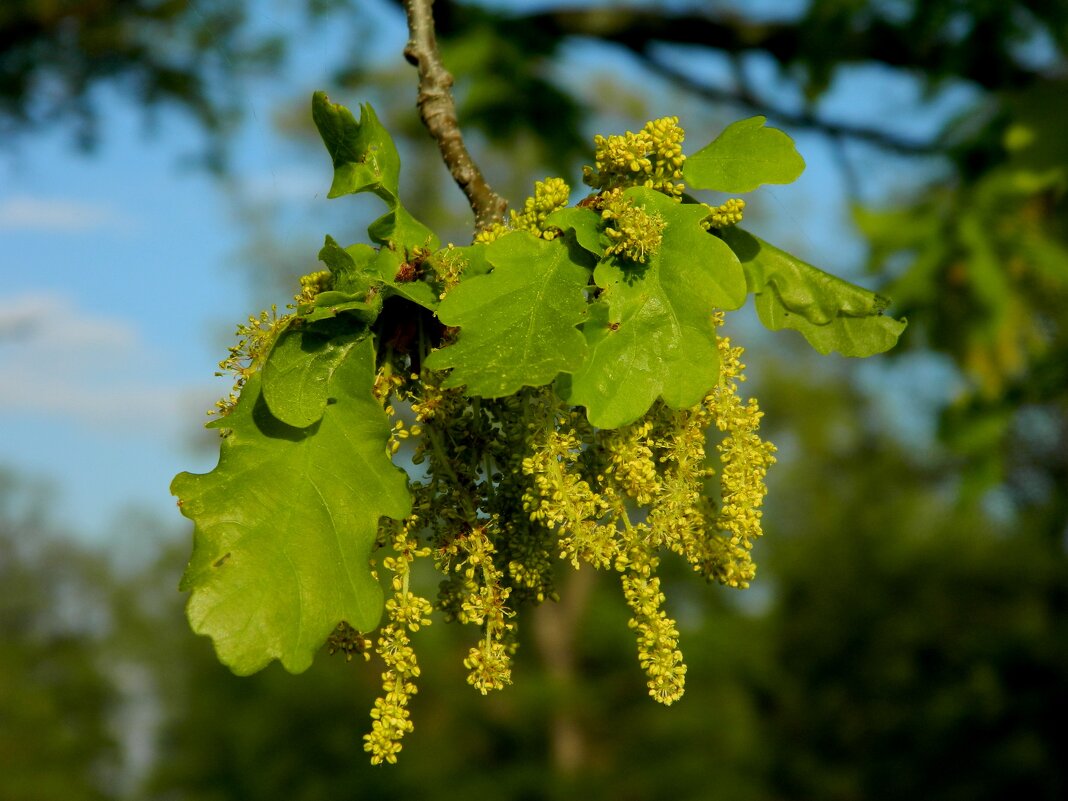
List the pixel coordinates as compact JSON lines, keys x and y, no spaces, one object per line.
{"x":438,"y":111}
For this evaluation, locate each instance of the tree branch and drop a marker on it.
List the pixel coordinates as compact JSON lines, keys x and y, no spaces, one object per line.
{"x":896,"y":45}
{"x":985,"y":59}
{"x":744,"y":97}
{"x":438,"y":111}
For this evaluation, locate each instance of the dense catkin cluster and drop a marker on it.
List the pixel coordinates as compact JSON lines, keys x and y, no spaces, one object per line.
{"x":558,"y":497}
{"x":511,"y":485}
{"x":516,"y":483}
{"x":525,"y":548}
{"x":657,"y":635}
{"x":745,"y":459}
{"x":549,"y":196}
{"x":726,"y":214}
{"x":652,"y":157}
{"x":475,"y":589}
{"x":632,"y":232}
{"x":482,"y":602}
{"x":406,"y":612}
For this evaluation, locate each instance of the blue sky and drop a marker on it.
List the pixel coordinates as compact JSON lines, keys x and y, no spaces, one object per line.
{"x":118,"y":293}
{"x":117,"y":290}
{"x":112,"y":277}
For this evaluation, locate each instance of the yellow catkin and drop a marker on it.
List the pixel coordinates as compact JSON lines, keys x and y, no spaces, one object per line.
{"x":406,"y":612}
{"x":549,"y":195}
{"x":633,"y":232}
{"x":726,"y":214}
{"x":652,"y":157}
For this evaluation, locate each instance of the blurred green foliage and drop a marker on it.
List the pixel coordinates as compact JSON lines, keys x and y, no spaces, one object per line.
{"x":55,"y":55}
{"x":908,"y":647}
{"x":55,"y":697}
{"x":985,"y":280}
{"x":919,"y":648}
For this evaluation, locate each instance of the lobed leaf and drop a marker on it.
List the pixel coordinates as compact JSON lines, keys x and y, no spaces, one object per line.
{"x":650,"y":334}
{"x":297,"y":374}
{"x":518,"y":322}
{"x":284,"y":525}
{"x":366,"y":160}
{"x":585,"y":224}
{"x":353,"y":267}
{"x":832,"y":314}
{"x":743,"y":157}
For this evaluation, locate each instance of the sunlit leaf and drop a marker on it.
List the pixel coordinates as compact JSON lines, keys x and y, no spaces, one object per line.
{"x":518,"y":322}
{"x":286,"y":521}
{"x":743,"y":157}
{"x":365,"y":160}
{"x":297,"y":374}
{"x":832,"y":314}
{"x":651,"y":333}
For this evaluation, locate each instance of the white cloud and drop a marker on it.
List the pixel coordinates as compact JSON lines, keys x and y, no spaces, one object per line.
{"x":61,"y":360}
{"x":24,"y":212}
{"x":51,"y":321}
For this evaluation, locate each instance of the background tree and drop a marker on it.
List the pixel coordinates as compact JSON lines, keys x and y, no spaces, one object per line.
{"x":55,"y":737}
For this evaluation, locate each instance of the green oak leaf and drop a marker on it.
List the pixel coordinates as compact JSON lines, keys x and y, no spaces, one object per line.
{"x":366,"y":160}
{"x":328,"y":305}
{"x":586,"y":225}
{"x":650,"y":334}
{"x":398,"y":228}
{"x":518,"y":322}
{"x":743,"y":157}
{"x":284,"y":525}
{"x":297,"y":374}
{"x":352,"y":268}
{"x":832,"y":314}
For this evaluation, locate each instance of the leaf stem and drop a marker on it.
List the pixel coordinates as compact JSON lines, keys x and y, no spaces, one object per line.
{"x":438,"y":111}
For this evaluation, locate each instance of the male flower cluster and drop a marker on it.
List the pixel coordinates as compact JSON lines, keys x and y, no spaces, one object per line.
{"x":407,"y":612}
{"x":652,"y":157}
{"x":549,"y":196}
{"x":725,"y":214}
{"x":635,"y":234}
